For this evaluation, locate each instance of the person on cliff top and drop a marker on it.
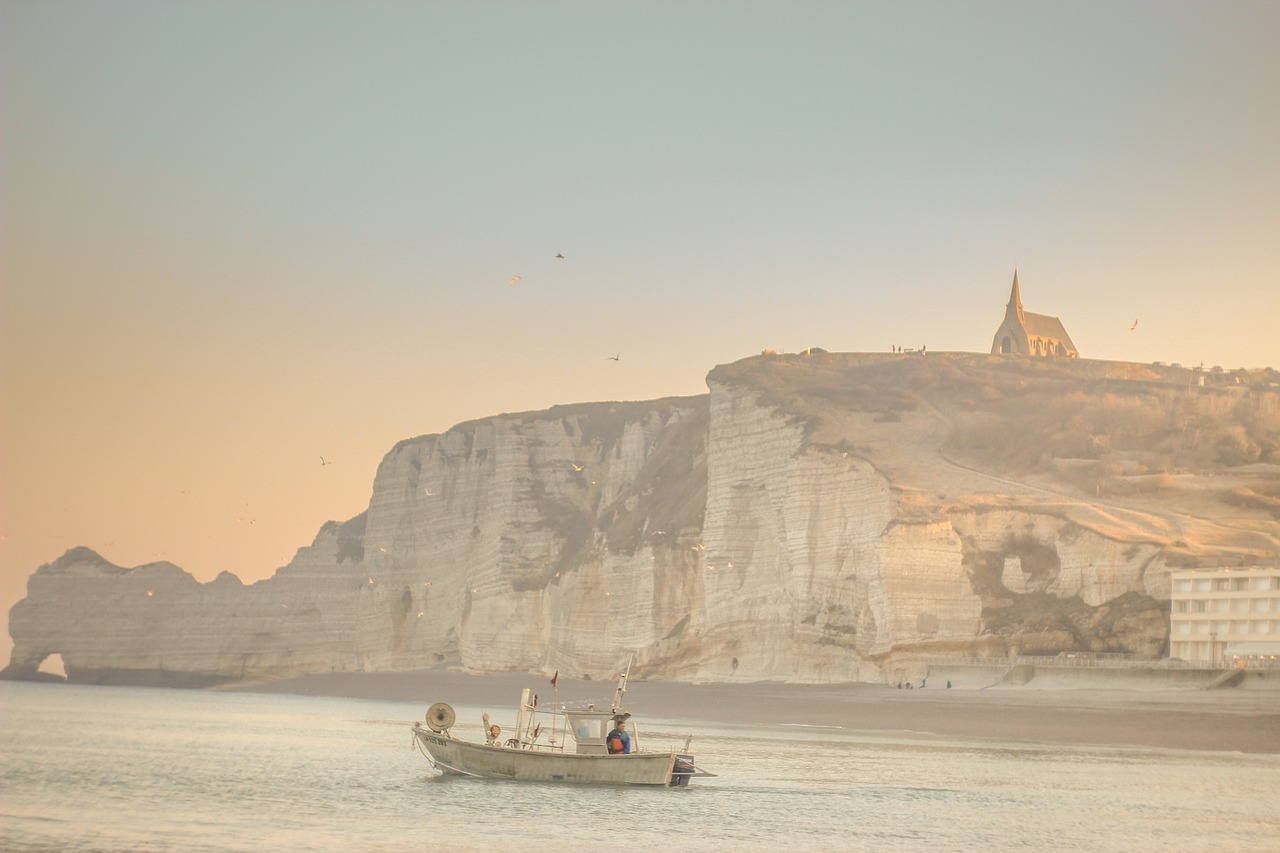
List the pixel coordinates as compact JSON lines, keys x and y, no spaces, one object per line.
{"x":619,"y":739}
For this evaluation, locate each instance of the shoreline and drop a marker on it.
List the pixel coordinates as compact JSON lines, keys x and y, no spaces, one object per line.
{"x":1233,"y":720}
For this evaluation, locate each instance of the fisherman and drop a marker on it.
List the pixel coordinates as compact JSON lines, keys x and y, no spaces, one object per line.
{"x":619,"y":740}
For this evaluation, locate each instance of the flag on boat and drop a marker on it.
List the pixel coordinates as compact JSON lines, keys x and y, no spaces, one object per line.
{"x":554,"y":677}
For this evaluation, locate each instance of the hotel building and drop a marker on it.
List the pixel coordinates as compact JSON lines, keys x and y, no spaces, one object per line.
{"x":1226,"y":617}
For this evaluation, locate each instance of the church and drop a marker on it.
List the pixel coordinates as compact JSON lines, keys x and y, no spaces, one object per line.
{"x":1024,"y":333}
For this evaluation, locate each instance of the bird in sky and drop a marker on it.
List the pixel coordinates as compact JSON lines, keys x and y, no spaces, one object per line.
{"x":324,"y":462}
{"x":1134,"y":326}
{"x":613,"y":357}
{"x":576,"y":466}
{"x":513,"y":281}
{"x":559,"y":256}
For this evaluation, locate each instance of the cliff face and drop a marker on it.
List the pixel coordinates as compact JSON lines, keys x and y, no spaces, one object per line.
{"x":812,"y":519}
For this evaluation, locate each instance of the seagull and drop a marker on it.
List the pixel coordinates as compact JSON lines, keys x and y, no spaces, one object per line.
{"x":559,"y":256}
{"x":614,"y":357}
{"x":576,"y":466}
{"x":513,"y":280}
{"x":1134,"y":326}
{"x":324,"y":462}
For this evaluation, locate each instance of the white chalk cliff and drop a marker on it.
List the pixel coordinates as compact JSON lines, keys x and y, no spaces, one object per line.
{"x":814,"y":518}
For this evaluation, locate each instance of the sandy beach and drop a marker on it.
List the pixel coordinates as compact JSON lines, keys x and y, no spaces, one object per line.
{"x":1228,"y":719}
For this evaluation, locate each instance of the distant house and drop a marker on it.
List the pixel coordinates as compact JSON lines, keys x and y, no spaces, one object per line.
{"x":1024,"y":333}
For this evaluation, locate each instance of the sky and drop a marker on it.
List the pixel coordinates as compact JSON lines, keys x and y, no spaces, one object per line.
{"x":236,"y":237}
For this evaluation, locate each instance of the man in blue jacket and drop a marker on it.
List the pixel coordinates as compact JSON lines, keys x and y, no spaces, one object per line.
{"x":619,"y":739}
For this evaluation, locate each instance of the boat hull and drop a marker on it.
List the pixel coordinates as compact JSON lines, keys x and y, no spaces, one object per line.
{"x":532,"y":765}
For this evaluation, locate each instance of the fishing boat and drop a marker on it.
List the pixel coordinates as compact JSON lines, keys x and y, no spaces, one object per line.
{"x":576,"y":747}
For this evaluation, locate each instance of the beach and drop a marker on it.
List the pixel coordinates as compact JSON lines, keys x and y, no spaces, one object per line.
{"x":1237,"y":720}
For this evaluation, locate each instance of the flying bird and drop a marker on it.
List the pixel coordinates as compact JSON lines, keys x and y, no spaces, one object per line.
{"x":613,"y":357}
{"x":576,"y":466}
{"x":560,"y":256}
{"x":513,"y":280}
{"x":324,"y":462}
{"x":1134,"y":326}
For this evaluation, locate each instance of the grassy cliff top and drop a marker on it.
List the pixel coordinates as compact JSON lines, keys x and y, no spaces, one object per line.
{"x":1154,"y":452}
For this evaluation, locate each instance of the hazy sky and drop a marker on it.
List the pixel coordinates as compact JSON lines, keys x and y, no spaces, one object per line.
{"x":238,"y":236}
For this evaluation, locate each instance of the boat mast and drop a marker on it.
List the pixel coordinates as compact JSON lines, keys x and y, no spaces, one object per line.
{"x":524,"y":704}
{"x":622,"y":685}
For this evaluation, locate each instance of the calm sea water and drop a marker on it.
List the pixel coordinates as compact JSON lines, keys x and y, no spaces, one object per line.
{"x":115,"y":769}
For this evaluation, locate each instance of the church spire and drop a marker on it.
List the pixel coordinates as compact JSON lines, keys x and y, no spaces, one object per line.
{"x":1015,"y":298}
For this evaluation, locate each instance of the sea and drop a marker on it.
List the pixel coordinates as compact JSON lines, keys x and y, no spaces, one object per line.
{"x":138,"y":769}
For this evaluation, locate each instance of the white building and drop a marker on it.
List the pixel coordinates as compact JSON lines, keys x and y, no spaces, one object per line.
{"x":1215,"y":612}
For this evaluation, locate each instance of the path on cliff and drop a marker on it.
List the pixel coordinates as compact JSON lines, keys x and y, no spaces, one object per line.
{"x":1110,"y":516}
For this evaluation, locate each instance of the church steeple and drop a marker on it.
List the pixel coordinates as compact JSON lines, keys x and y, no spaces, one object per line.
{"x":1015,"y":299}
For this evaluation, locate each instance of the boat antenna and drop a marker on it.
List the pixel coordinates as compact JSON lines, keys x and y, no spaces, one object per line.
{"x":555,"y":702}
{"x":622,"y":685}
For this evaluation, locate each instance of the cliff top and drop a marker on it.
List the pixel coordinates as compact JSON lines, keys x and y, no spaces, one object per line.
{"x":1181,"y":457}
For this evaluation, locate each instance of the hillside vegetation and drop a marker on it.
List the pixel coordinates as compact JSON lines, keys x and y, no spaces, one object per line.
{"x":952,"y":425}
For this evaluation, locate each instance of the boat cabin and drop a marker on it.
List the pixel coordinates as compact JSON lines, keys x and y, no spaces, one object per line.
{"x":590,"y":728}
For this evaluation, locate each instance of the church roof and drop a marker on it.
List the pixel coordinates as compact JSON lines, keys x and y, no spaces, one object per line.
{"x":1045,"y":326}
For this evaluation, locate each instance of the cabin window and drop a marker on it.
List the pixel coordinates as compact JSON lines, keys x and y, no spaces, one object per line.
{"x":588,"y":728}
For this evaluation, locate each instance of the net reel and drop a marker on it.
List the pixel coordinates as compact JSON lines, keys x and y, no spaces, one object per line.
{"x":440,"y":717}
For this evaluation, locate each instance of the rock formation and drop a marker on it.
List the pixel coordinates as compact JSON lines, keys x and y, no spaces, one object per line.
{"x":818,"y":517}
